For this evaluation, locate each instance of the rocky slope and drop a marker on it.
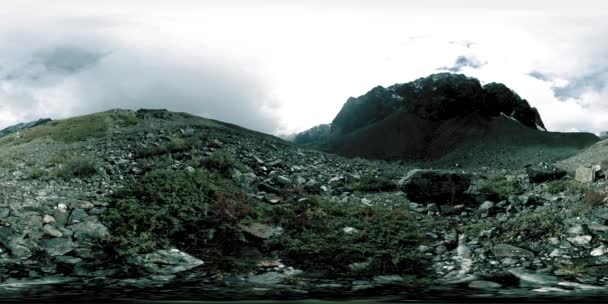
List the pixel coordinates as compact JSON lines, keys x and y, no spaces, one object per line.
{"x":447,"y":118}
{"x":164,"y":204}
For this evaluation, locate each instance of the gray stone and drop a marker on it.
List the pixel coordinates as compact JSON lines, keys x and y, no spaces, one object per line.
{"x":504,"y":250}
{"x":533,"y":278}
{"x":77,"y":215}
{"x":544,"y":172}
{"x":424,"y":186}
{"x":89,"y":231}
{"x":587,"y":174}
{"x":52,"y":231}
{"x":486,"y":206}
{"x":268,"y":278}
{"x":57,"y":246}
{"x":165,"y":261}
{"x":581,"y":240}
{"x":484,"y":285}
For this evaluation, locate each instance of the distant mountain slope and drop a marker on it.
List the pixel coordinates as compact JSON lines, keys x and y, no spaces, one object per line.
{"x":23,"y":126}
{"x":447,"y":118}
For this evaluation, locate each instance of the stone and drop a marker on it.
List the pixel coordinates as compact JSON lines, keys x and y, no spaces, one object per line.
{"x":57,"y":246}
{"x":544,"y":172}
{"x":89,"y":231}
{"x":268,"y":278}
{"x":580,"y":240}
{"x":13,"y":241}
{"x":77,"y":215}
{"x":533,"y":278}
{"x":48,"y":219}
{"x":599,"y":251}
{"x":423,"y":186}
{"x":165,"y":261}
{"x":52,"y":231}
{"x":486,"y":207}
{"x":484,"y":285}
{"x":587,"y":174}
{"x":284,"y":180}
{"x":504,"y":250}
{"x":261,"y":230}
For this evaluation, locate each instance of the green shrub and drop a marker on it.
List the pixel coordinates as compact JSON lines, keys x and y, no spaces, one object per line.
{"x":314,"y":238}
{"x":77,"y":167}
{"x":198,"y":212}
{"x":370,"y":183}
{"x":529,"y":225}
{"x":175,"y":145}
{"x":593,"y":198}
{"x":558,"y":186}
{"x":37,"y":173}
{"x":504,"y":187}
{"x":220,"y":162}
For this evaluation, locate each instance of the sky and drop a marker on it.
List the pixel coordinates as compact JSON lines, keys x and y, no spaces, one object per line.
{"x":284,"y":66}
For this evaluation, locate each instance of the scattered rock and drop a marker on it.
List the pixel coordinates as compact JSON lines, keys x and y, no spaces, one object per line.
{"x":423,"y":186}
{"x":544,"y":172}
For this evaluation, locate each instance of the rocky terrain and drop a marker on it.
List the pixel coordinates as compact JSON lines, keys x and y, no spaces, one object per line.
{"x":446,"y":119}
{"x":152,"y":203}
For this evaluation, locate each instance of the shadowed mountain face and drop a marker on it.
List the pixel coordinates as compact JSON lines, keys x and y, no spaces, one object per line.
{"x":446,"y":118}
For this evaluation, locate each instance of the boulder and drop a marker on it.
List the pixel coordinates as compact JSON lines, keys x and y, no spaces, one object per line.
{"x":504,"y":250}
{"x":587,"y":174}
{"x":165,"y":261}
{"x":435,"y":186}
{"x":544,"y":172}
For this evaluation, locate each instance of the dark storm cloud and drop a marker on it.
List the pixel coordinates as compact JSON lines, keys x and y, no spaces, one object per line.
{"x":576,"y":87}
{"x":461,"y":62}
{"x":58,"y":79}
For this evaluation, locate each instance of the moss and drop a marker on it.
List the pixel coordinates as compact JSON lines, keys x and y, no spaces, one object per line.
{"x":504,"y":187}
{"x":370,"y":183}
{"x":77,"y":167}
{"x":315,"y":238}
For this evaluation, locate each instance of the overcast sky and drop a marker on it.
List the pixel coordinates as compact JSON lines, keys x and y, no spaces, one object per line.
{"x":285,"y":66}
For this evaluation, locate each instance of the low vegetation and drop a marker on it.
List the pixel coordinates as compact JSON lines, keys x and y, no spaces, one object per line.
{"x":220,"y":162}
{"x":504,"y":187}
{"x":559,"y":186}
{"x":370,"y":183}
{"x":175,"y":145}
{"x":529,"y":225}
{"x":77,"y":167}
{"x":593,"y":198}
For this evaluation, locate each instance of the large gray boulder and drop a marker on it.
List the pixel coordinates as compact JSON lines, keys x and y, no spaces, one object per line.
{"x":435,"y":186}
{"x":544,"y":172}
{"x":165,"y":261}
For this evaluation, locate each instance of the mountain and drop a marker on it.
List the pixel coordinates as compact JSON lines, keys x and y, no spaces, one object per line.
{"x":445,"y":119}
{"x":23,"y":126}
{"x":313,"y":135}
{"x":158,"y":204}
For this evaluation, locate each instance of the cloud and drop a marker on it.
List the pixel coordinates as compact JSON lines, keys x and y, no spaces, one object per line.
{"x":463,"y":61}
{"x":539,"y":76}
{"x":59,"y":78}
{"x":579,"y":86}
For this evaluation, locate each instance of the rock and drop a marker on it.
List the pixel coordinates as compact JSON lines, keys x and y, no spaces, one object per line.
{"x":581,"y":240}
{"x":48,"y":219}
{"x":165,"y":261}
{"x":424,"y":186}
{"x":544,"y":172}
{"x":284,"y":180}
{"x":486,"y":207}
{"x":388,"y":279}
{"x":52,"y":231}
{"x":89,"y":231}
{"x":268,"y":278}
{"x":13,"y":241}
{"x":260,"y":230}
{"x":597,"y":227}
{"x":527,"y":277}
{"x":57,"y":246}
{"x":587,"y":174}
{"x":578,"y":229}
{"x":504,"y":250}
{"x":599,"y":251}
{"x":77,"y":215}
{"x":350,"y":230}
{"x":484,"y":285}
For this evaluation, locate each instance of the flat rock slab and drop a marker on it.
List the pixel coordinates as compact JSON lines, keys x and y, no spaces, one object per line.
{"x":504,"y":250}
{"x":544,"y":172}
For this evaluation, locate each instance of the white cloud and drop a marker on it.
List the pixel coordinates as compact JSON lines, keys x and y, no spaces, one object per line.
{"x":284,"y":66}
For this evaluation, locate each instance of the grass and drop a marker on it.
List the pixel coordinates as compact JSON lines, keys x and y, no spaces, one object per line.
{"x":220,"y":162}
{"x":77,"y":128}
{"x":593,"y":198}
